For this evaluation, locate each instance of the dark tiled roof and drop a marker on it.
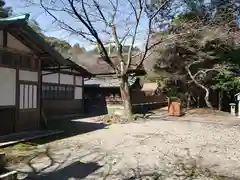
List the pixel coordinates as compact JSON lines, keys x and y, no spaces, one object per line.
{"x":107,"y":81}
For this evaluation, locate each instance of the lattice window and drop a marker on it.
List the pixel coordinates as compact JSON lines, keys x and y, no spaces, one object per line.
{"x":28,"y":96}
{"x":57,"y":92}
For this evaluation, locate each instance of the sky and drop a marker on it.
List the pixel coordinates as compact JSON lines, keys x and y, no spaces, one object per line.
{"x":35,"y":13}
{"x":50,"y":29}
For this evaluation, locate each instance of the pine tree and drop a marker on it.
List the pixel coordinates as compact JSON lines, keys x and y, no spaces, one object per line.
{"x":4,"y":11}
{"x":225,"y":12}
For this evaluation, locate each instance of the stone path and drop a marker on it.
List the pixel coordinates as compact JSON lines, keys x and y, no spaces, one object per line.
{"x":125,"y":150}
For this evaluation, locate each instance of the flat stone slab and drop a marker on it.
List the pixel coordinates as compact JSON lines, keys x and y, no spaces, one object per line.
{"x":15,"y":138}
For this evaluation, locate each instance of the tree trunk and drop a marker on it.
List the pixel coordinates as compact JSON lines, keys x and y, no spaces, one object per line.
{"x":198,"y":102}
{"x":208,"y":103}
{"x":125,"y":94}
{"x":188,"y":101}
{"x":220,"y":98}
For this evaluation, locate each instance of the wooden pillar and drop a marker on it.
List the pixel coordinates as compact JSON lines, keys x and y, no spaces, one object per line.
{"x":39,"y":89}
{"x":74,"y":81}
{"x":238,"y":99}
{"x":17,"y":99}
{"x":239,"y":109}
{"x":83,"y":108}
{"x":5,"y":34}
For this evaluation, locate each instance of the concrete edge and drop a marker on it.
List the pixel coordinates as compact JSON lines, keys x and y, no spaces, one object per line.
{"x":10,"y":173}
{"x":30,"y":138}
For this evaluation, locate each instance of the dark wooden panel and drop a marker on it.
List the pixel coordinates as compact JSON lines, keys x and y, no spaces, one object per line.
{"x":138,"y":97}
{"x":28,"y":120}
{"x":7,"y":119}
{"x":58,"y":107}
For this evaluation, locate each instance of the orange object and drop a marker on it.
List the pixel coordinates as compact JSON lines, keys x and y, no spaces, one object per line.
{"x":174,"y":108}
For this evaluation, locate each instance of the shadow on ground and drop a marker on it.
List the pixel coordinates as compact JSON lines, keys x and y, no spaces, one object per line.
{"x":76,"y":170}
{"x":148,"y":107}
{"x":71,"y":127}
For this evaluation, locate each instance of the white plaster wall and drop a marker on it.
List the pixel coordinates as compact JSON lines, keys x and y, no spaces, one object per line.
{"x":50,"y":78}
{"x":1,"y":38}
{"x":7,"y":86}
{"x":28,"y":75}
{"x":78,"y":93}
{"x":16,"y":44}
{"x":66,"y":79}
{"x":78,"y":80}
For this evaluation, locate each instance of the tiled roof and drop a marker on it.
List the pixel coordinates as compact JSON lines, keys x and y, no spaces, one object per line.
{"x":32,"y":38}
{"x":107,"y":82}
{"x":96,"y":65}
{"x":36,"y":42}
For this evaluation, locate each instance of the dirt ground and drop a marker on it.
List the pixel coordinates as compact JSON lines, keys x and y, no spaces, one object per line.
{"x":168,"y":148}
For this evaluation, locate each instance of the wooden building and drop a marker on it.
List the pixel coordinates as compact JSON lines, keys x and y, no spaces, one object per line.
{"x":109,"y":87}
{"x":34,"y":78}
{"x":62,"y":92}
{"x":104,"y":91}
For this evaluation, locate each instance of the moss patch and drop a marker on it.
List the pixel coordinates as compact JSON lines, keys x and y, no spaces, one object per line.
{"x":19,"y":152}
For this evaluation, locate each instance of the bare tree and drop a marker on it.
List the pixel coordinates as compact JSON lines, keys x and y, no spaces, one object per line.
{"x":112,"y":21}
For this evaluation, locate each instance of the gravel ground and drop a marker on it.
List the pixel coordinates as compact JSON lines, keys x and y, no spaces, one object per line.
{"x":120,"y":151}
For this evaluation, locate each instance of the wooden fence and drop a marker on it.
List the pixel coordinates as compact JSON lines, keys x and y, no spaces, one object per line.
{"x":144,"y":103}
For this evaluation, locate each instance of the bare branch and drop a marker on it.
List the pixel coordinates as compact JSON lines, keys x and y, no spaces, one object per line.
{"x":62,"y":23}
{"x":195,"y":62}
{"x":112,"y":26}
{"x":159,"y":9}
{"x":146,"y":48}
{"x":92,"y":31}
{"x":88,"y":24}
{"x":100,"y":12}
{"x":115,"y":8}
{"x":134,"y":9}
{"x":205,"y":72}
{"x":138,"y":16}
{"x":117,"y":42}
{"x":198,"y":83}
{"x":125,"y":36}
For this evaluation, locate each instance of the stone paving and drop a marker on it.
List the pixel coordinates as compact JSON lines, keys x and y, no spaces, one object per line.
{"x":119,"y":150}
